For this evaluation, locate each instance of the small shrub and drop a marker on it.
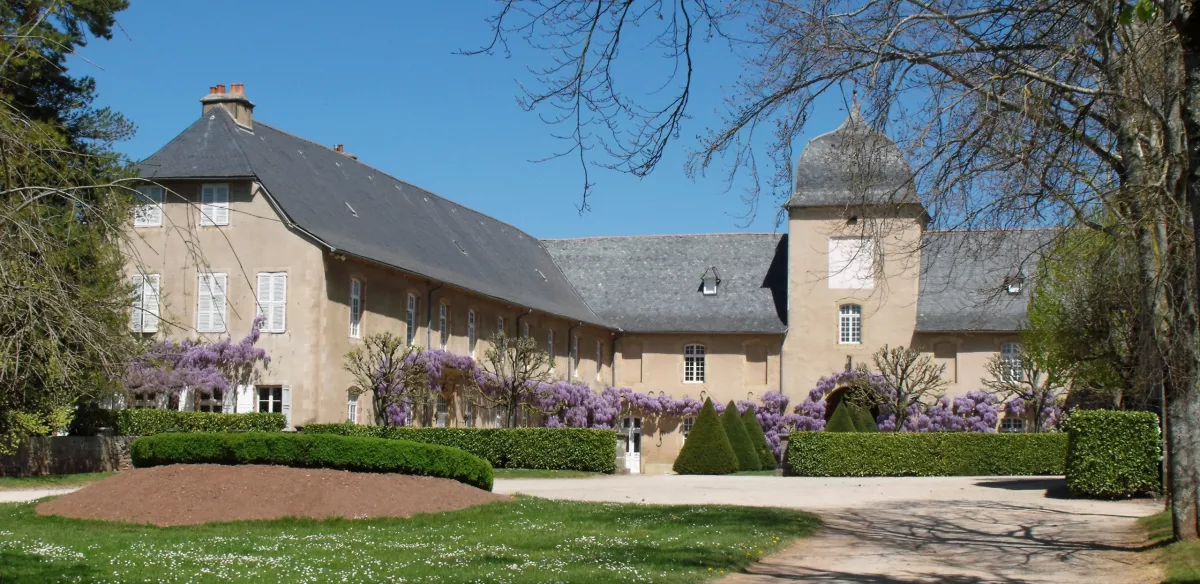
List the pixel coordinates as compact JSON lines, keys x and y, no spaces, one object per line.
{"x":1112,"y":454}
{"x":841,"y":421}
{"x":351,"y":453}
{"x":863,"y":420}
{"x":761,"y":447}
{"x":543,"y":448}
{"x":147,"y":422}
{"x":739,"y":439}
{"x":707,"y":450}
{"x":894,"y":454}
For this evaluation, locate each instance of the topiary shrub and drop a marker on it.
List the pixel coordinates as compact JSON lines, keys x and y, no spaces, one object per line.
{"x":739,"y":439}
{"x":863,"y":420}
{"x":924,"y":454}
{"x":351,"y":453}
{"x":544,"y":448}
{"x":840,"y":421}
{"x":1112,"y":454}
{"x":147,"y":422}
{"x":707,"y":450}
{"x":758,"y":439}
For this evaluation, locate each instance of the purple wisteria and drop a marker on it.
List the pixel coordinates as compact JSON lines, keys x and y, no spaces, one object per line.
{"x":168,"y":367}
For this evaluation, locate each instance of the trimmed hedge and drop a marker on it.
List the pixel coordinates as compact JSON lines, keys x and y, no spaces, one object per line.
{"x":147,"y":422}
{"x":739,"y":439}
{"x":864,"y":421}
{"x":761,"y":447}
{"x":1112,"y":454}
{"x":351,"y":453}
{"x":545,"y":448}
{"x":896,"y":454}
{"x":707,"y":450}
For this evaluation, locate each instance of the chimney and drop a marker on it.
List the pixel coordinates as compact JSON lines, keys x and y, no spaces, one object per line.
{"x":235,"y":102}
{"x":340,"y":149}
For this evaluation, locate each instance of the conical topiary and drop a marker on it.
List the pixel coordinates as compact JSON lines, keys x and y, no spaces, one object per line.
{"x":707,"y":450}
{"x":840,"y":420}
{"x":863,"y":420}
{"x":766,"y":458}
{"x":739,"y":438}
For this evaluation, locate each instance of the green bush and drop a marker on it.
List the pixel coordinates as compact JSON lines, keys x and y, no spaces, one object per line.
{"x":707,"y":450}
{"x":351,"y":453}
{"x":146,"y":422}
{"x":758,"y":439}
{"x":545,"y":448}
{"x":840,"y":421}
{"x":894,"y":454}
{"x":863,"y":420}
{"x":739,"y":439}
{"x":1112,"y":454}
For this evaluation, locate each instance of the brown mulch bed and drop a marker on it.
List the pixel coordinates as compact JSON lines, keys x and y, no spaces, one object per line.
{"x":188,"y":494}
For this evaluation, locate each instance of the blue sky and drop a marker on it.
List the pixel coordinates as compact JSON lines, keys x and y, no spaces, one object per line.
{"x":383,"y":79}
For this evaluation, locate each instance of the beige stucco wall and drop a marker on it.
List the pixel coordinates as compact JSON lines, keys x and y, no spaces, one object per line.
{"x":966,"y":364}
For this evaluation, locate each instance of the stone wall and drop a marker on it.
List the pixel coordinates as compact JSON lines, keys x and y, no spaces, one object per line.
{"x":59,"y":455}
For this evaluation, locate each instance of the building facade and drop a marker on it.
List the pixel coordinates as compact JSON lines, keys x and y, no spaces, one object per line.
{"x":239,"y":218}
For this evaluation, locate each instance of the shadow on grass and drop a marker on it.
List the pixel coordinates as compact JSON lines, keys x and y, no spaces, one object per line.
{"x":15,"y":567}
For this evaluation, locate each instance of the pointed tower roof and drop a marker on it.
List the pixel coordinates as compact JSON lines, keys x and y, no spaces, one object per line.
{"x":852,"y":165}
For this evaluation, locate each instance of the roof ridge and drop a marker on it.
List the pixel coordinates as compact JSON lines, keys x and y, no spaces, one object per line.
{"x":234,"y":130}
{"x":990,"y":230}
{"x":725,"y":233}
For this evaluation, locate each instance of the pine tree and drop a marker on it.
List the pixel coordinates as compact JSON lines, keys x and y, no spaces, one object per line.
{"x":739,"y":438}
{"x":840,"y":421}
{"x":707,"y":450}
{"x":863,"y":420}
{"x":758,"y":439}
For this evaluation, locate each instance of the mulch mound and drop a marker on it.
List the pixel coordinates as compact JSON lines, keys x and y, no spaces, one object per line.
{"x":188,"y":494}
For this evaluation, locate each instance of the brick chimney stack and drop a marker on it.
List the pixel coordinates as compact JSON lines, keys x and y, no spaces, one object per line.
{"x":234,"y":101}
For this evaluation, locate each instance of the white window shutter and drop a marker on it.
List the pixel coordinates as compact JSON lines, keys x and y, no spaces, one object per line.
{"x":204,"y":304}
{"x":221,"y":205}
{"x":137,"y":310}
{"x":245,"y":399}
{"x":229,"y":402}
{"x":206,"y":205}
{"x":185,"y":400}
{"x":218,"y":300}
{"x":287,"y":405}
{"x":154,"y":213}
{"x":264,"y":299}
{"x":279,"y":303}
{"x":150,"y":315}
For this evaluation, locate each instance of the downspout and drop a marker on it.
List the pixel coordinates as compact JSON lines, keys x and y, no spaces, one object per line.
{"x":429,"y":314}
{"x":613,"y":356}
{"x":518,"y":322}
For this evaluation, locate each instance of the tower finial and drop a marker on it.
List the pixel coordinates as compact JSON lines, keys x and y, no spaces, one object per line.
{"x":855,"y":113}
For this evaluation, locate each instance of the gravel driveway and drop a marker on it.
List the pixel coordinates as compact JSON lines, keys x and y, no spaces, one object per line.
{"x":956,"y":530}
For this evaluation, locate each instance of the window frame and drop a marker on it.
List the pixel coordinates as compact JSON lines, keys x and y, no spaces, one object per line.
{"x":525,"y":330}
{"x":266,"y":307}
{"x":216,"y":400}
{"x":575,"y":357}
{"x":352,"y":409}
{"x":1010,"y":360}
{"x":223,"y":288}
{"x":471,"y":335}
{"x":849,"y":331}
{"x":1015,"y":425}
{"x":441,"y":412}
{"x":550,"y":346}
{"x":500,"y":325}
{"x":154,"y":206}
{"x":356,"y":308}
{"x":273,"y":398}
{"x":444,"y":323}
{"x":695,"y":356}
{"x":410,"y":319}
{"x":686,"y":425}
{"x":209,"y":214}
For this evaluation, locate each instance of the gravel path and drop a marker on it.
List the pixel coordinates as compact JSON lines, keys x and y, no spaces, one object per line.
{"x":955,"y":530}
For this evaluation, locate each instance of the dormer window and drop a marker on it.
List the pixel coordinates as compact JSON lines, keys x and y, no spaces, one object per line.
{"x":709,"y":282}
{"x":1014,"y":285}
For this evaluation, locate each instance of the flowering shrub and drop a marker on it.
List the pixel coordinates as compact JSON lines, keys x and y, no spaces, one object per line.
{"x":168,"y":367}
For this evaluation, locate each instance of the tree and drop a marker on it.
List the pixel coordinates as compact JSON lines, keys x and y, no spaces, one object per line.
{"x":758,"y":438}
{"x":1029,"y":385}
{"x":707,"y":450}
{"x":903,"y":381}
{"x":863,"y":420}
{"x":387,"y":367}
{"x":512,"y":369}
{"x":1015,"y":114}
{"x":739,"y":439}
{"x":841,"y":421}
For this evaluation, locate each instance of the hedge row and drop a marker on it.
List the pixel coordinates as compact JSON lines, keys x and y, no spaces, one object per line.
{"x":892,"y":454}
{"x":146,"y":422}
{"x":1112,"y":454}
{"x":358,"y":454}
{"x":546,"y":448}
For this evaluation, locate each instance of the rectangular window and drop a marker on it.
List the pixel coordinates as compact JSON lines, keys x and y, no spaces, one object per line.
{"x":210,"y":310}
{"x":500,"y":325}
{"x":1010,"y":359}
{"x":851,"y":263}
{"x":213,"y":403}
{"x":272,"y":301}
{"x":468,"y":414}
{"x":471,"y":333}
{"x":1012,"y":425}
{"x":687,"y":425}
{"x":525,"y":330}
{"x":444,"y":323}
{"x":693,"y":364}
{"x":599,"y":358}
{"x":143,"y":316}
{"x":355,"y":308}
{"x":850,"y":325}
{"x":550,"y":347}
{"x":214,"y":205}
{"x":270,"y":400}
{"x":352,"y":409}
{"x":410,"y":319}
{"x":442,"y":412}
{"x":575,"y":356}
{"x":148,"y":212}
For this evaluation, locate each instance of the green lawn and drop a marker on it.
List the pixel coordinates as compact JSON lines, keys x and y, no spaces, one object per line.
{"x":530,"y":540}
{"x":537,"y":473}
{"x":51,"y":482}
{"x":1181,"y":560}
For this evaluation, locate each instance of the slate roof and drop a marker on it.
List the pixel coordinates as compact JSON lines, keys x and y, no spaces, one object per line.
{"x":652,"y":283}
{"x":835,"y":169}
{"x":361,"y":211}
{"x":964,"y":276}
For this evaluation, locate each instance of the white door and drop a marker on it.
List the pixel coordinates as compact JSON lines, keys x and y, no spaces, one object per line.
{"x":633,"y":444}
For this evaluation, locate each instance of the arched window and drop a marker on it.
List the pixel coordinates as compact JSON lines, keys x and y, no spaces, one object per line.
{"x":444,"y":323}
{"x":355,"y":308}
{"x":471,"y":333}
{"x":693,"y":364}
{"x":850,"y":325}
{"x":410,"y":319}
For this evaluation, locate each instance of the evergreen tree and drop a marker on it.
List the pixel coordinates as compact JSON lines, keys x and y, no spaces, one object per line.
{"x":739,"y":438}
{"x":707,"y":450}
{"x":841,"y":421}
{"x":758,"y":439}
{"x":862,"y":418}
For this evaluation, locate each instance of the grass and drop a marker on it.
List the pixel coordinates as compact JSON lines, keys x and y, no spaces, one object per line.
{"x":529,"y":540}
{"x":1180,"y":560}
{"x":537,"y":473}
{"x":51,"y":482}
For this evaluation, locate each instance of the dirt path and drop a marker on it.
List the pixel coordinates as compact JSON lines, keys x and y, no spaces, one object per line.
{"x":951,"y":530}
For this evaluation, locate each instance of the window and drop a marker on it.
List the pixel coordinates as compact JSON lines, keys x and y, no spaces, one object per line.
{"x":693,"y":364}
{"x":440,"y":422}
{"x":710,"y":287}
{"x":213,"y":403}
{"x":709,"y":282}
{"x":143,"y":317}
{"x":444,"y":323}
{"x":500,"y":325}
{"x":471,"y":333}
{"x":1012,"y":425}
{"x":525,"y":330}
{"x":352,"y":409}
{"x":599,"y":358}
{"x":214,"y":205}
{"x":210,"y":310}
{"x":270,"y":400}
{"x":355,"y":308}
{"x":468,"y":414}
{"x":687,"y":425}
{"x":575,"y":356}
{"x":272,"y":301}
{"x":550,"y":347}
{"x":410,"y":319}
{"x":851,"y":263}
{"x":1014,"y":285}
{"x":148,"y":212}
{"x":1010,"y":360}
{"x":850,"y":325}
